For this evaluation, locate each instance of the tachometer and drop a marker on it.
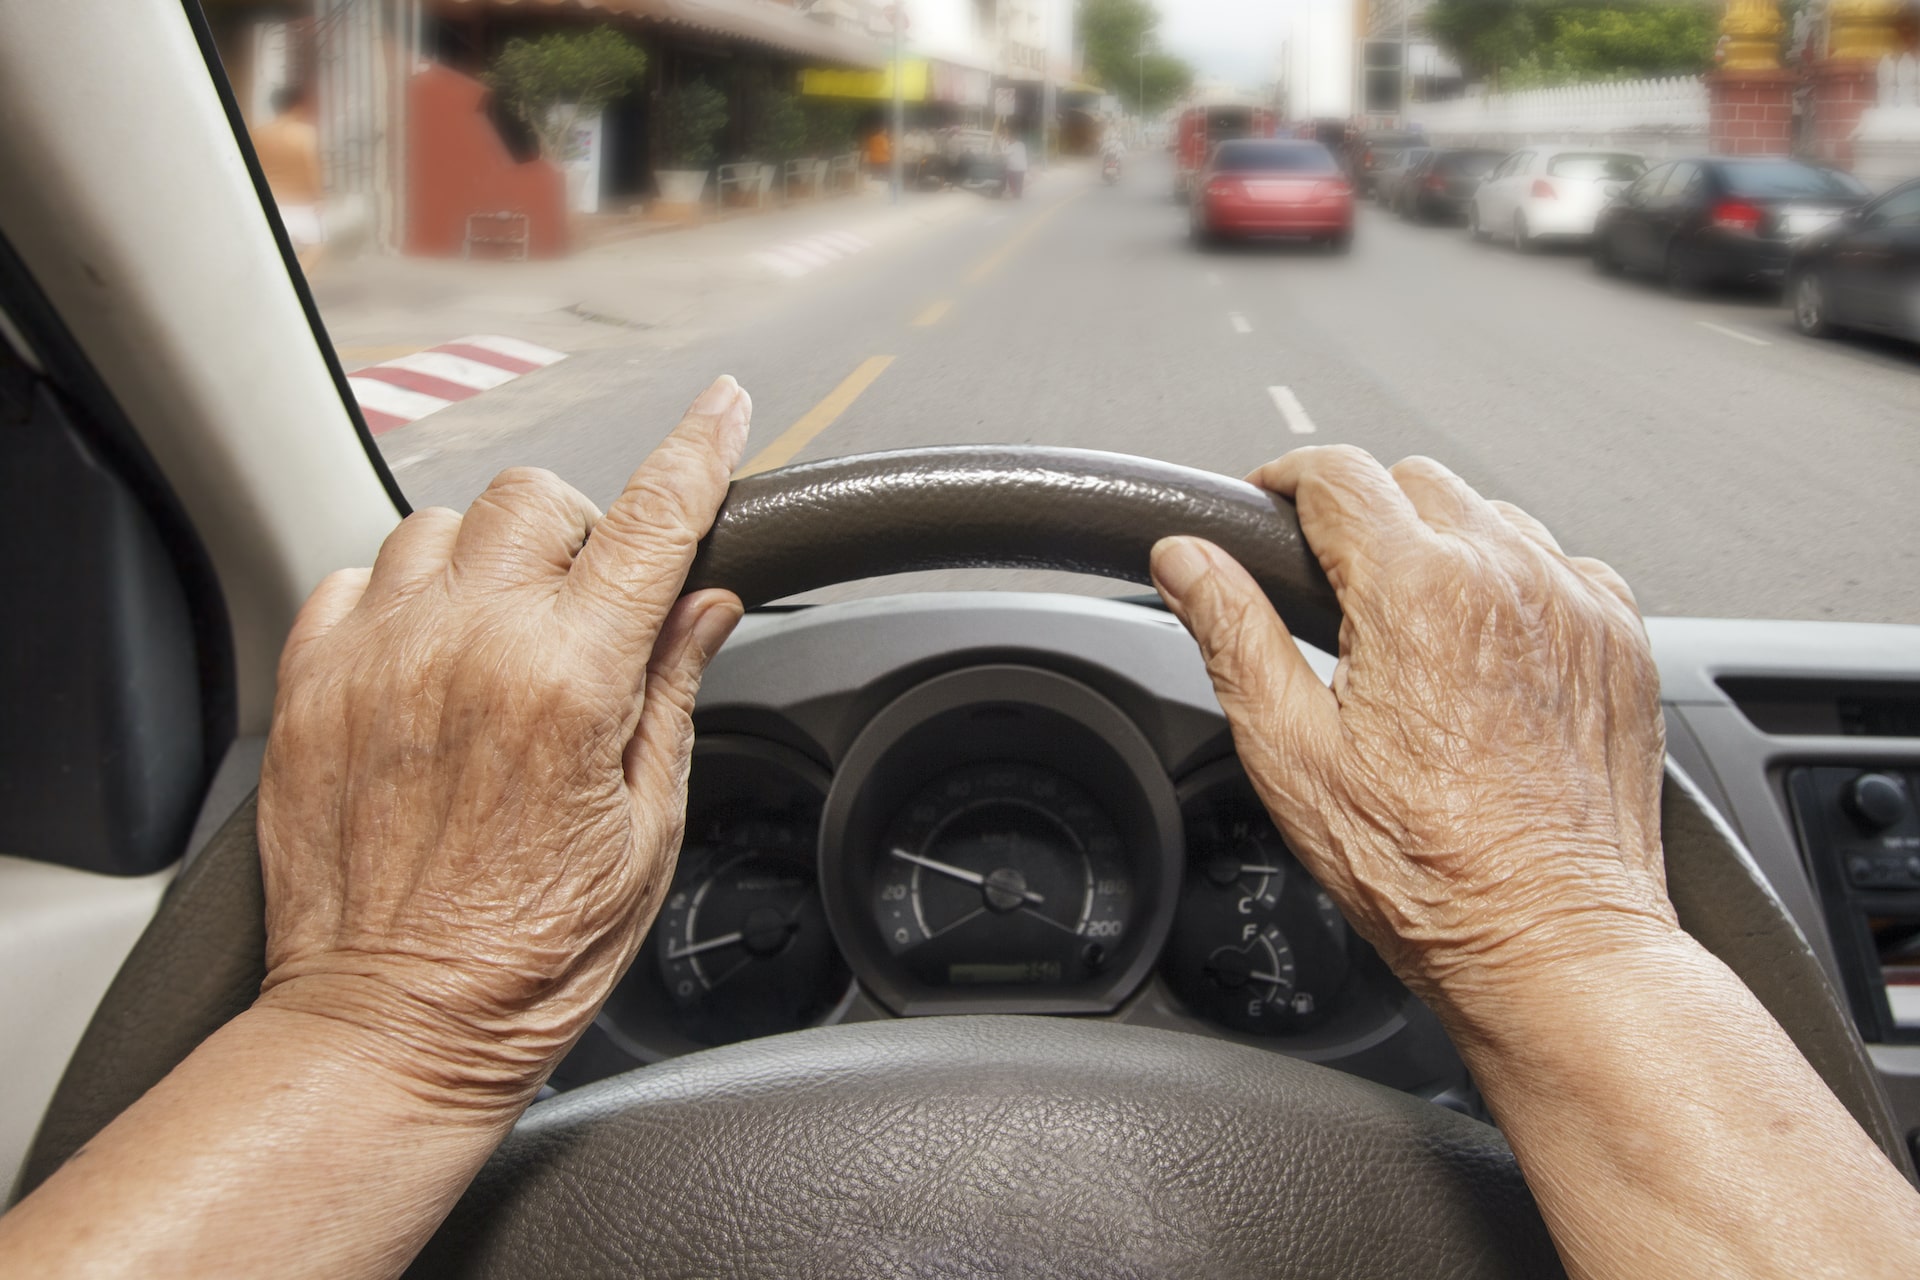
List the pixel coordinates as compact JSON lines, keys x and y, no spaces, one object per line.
{"x":1002,"y":874}
{"x":741,"y":946}
{"x":742,"y":942}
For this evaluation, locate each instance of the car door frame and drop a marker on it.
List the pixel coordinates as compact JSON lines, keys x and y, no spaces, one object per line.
{"x":1627,"y":237}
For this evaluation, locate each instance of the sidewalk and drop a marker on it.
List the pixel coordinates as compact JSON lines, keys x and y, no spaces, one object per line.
{"x":632,"y":291}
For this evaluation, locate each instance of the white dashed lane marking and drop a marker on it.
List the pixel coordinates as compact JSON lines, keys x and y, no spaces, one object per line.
{"x":1733,"y":333}
{"x":1292,"y":411}
{"x":1240,"y":323}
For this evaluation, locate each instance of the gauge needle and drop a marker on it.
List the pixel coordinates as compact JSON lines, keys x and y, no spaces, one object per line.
{"x":1247,"y":870}
{"x":1271,"y":979}
{"x":959,"y":873}
{"x":695,"y":948}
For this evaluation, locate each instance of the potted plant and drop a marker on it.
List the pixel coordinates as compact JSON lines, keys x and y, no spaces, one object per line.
{"x":691,"y":118}
{"x":559,"y":82}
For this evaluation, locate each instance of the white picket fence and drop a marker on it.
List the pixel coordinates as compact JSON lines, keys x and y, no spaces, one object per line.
{"x":1658,"y":117}
{"x":1886,"y":146}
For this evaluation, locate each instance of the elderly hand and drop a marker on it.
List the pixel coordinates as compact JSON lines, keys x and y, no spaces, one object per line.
{"x":1480,"y":787}
{"x":474,"y":789}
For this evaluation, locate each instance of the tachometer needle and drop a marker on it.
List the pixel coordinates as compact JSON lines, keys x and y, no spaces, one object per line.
{"x":695,"y":948}
{"x":959,"y":873}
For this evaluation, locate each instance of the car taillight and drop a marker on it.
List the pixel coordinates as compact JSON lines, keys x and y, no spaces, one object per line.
{"x":1435,"y":182}
{"x":1737,"y":215}
{"x":1336,"y":189}
{"x":1543,"y":190}
{"x":1220,"y":187}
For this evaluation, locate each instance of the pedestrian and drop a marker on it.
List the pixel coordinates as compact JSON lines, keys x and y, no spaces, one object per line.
{"x":289,"y":149}
{"x":1016,"y":165}
{"x":879,"y":152}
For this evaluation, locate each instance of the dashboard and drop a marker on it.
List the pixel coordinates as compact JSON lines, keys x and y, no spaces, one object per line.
{"x":953,"y":804}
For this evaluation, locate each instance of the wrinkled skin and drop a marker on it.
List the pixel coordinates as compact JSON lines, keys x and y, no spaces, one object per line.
{"x":475,"y":784}
{"x":1493,"y":697}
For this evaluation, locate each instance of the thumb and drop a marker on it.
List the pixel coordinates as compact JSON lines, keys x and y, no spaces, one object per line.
{"x":1271,"y":694}
{"x":658,"y":755}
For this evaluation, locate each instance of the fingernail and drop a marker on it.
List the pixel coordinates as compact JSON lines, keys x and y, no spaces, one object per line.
{"x":715,"y":623}
{"x":1178,"y":565}
{"x":718,"y":396}
{"x":735,"y":426}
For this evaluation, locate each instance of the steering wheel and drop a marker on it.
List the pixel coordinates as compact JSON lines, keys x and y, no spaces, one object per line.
{"x":989,"y":1145}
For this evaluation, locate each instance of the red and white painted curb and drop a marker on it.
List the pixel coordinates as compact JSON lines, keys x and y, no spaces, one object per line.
{"x":396,"y":392}
{"x":795,"y":258}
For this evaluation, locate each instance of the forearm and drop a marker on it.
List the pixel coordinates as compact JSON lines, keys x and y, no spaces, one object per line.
{"x":282,"y":1146}
{"x":1669,"y":1128}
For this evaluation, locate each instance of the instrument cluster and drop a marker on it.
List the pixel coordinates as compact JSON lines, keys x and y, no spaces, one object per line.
{"x":998,"y":839}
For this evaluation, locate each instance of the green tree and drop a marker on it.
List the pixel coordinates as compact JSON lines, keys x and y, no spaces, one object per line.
{"x":1519,"y":43}
{"x":1114,"y":34}
{"x":691,"y":118}
{"x":551,"y":82}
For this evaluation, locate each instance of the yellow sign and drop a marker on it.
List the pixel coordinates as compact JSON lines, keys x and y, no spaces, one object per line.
{"x":821,"y":82}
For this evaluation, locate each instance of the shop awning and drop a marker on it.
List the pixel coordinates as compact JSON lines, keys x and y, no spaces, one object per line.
{"x":772,"y":25}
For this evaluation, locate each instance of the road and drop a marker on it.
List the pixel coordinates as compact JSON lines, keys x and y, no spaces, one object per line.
{"x":1725,"y":465}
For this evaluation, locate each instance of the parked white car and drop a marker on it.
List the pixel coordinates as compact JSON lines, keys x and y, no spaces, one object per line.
{"x":1549,"y":192}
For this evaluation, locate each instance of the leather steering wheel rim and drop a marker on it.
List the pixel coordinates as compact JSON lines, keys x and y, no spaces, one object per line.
{"x":937,"y":1147}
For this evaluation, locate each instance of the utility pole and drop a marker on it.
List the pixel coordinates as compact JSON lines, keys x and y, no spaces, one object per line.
{"x":1047,"y":108}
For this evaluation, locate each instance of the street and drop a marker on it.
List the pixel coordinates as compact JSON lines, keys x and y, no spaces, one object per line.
{"x":1725,"y":465}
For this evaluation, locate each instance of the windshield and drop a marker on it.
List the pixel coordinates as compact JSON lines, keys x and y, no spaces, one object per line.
{"x":1274,"y":157}
{"x":535,"y":232}
{"x":1596,"y":166}
{"x":1763,"y":179}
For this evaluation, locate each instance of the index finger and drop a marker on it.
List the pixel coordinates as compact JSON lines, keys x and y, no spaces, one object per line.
{"x":1351,"y":511}
{"x":631,"y":570}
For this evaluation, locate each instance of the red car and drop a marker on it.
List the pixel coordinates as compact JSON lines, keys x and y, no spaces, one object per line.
{"x":1273,"y":187}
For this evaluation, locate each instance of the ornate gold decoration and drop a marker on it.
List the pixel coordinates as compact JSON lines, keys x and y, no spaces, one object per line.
{"x":1862,"y":28}
{"x":1751,"y":35}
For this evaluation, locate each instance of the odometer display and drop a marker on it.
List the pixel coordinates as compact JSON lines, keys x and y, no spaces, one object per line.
{"x":1005,"y":874}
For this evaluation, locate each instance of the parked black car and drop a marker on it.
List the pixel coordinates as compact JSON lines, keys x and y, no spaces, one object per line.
{"x":1721,"y":219}
{"x":1863,"y":272}
{"x":1438,"y":187}
{"x":1388,"y":177}
{"x":1372,"y":152}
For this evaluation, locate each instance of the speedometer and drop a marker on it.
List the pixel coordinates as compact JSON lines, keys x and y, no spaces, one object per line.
{"x":1000,"y":839}
{"x":1002,"y":874}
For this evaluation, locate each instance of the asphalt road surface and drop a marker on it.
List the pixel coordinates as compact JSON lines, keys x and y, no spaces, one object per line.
{"x":1725,"y":465}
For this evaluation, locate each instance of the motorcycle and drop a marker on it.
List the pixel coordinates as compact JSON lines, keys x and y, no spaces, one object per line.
{"x":1110,"y":170}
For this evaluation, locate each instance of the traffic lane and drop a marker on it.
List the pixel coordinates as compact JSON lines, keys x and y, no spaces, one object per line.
{"x":1605,"y":407}
{"x":1720,"y":476}
{"x":591,"y":418}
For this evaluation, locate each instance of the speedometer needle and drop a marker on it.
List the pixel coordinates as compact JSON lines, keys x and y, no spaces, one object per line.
{"x":695,"y":948}
{"x":960,"y":873}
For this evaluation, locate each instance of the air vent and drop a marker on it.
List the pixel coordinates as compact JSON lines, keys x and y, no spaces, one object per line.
{"x":1832,"y":708}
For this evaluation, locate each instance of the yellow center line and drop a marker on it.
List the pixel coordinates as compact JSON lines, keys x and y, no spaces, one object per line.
{"x":932,"y":314}
{"x":995,"y":260}
{"x":817,"y":419}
